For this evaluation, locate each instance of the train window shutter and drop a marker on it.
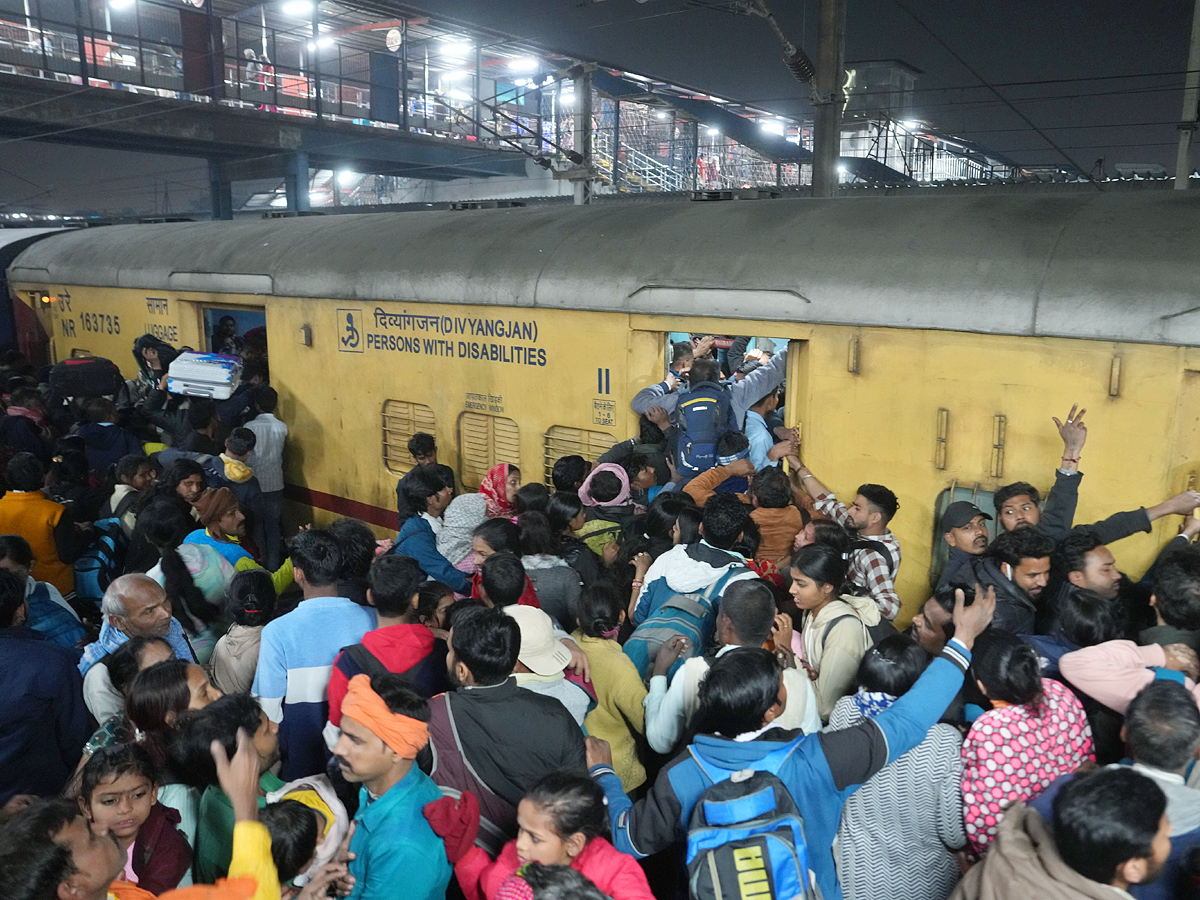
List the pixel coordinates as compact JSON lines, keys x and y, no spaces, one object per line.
{"x":563,"y":441}
{"x":401,"y":420}
{"x":485,"y":441}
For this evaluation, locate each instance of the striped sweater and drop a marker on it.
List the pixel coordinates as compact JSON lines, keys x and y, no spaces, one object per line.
{"x":295,"y":661}
{"x":900,"y":830}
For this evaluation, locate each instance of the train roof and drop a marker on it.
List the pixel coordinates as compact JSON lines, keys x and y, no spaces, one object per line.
{"x":1120,"y":267}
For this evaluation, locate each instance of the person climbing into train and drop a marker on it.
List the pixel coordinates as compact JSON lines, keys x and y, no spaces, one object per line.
{"x":426,"y":497}
{"x":742,"y":395}
{"x":422,"y":448}
{"x":703,"y":418}
{"x":875,"y":553}
{"x":765,"y":449}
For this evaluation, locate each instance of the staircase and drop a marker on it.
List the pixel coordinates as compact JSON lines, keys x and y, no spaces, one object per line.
{"x":639,"y":171}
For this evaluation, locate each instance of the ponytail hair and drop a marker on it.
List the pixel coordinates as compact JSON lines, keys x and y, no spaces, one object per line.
{"x":166,"y":525}
{"x":1008,"y":668}
{"x":251,"y":598}
{"x":598,"y":610}
{"x":822,"y":563}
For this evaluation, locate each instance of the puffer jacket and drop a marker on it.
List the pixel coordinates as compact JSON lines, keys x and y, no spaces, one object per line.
{"x":1016,"y":613}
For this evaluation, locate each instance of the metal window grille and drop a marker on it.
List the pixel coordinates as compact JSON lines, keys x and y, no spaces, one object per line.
{"x":401,"y":420}
{"x":563,"y":441}
{"x":485,"y":441}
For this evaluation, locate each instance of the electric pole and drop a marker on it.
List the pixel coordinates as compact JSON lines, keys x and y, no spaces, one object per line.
{"x":1191,"y":102}
{"x":828,"y":98}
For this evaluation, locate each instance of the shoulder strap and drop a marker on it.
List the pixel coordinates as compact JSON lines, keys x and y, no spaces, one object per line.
{"x":365,"y":660}
{"x":829,"y":627}
{"x":879,"y":547}
{"x":718,"y":587}
{"x":123,"y":506}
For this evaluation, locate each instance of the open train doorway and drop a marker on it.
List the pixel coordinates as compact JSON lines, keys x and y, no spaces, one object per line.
{"x":236,"y":331}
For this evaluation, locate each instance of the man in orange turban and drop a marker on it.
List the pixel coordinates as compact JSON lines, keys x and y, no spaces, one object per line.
{"x":384,"y":726}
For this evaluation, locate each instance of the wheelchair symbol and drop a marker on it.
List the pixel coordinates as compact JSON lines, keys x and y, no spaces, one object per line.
{"x":351,"y":330}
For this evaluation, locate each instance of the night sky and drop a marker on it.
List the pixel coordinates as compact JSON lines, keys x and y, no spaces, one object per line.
{"x":1108,"y":76}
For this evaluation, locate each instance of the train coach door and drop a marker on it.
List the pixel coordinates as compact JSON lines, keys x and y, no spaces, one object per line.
{"x":1185,"y":469}
{"x":235,"y":330}
{"x":796,"y":408}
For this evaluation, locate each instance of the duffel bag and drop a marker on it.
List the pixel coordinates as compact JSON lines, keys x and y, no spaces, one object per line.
{"x":86,"y":376}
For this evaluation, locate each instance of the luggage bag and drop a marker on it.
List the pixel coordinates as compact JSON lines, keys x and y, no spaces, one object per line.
{"x":204,"y":375}
{"x":87,"y":376}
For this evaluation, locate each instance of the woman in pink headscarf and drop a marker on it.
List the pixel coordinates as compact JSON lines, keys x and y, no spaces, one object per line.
{"x":608,"y":503}
{"x":500,"y":487}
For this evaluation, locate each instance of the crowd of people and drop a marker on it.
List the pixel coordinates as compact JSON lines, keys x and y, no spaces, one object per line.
{"x":671,"y":673}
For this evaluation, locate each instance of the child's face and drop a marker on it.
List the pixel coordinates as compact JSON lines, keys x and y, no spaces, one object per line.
{"x":121,"y":805}
{"x":537,"y":840}
{"x":142,"y":478}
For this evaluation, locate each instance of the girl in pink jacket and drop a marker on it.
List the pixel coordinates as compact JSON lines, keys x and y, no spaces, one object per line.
{"x":559,"y":823}
{"x":1035,"y":731}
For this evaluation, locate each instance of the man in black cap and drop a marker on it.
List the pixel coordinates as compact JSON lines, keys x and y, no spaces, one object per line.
{"x":964,"y":525}
{"x":1017,"y":567}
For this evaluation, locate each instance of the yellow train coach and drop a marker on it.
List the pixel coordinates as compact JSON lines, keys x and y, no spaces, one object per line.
{"x":930,"y":339}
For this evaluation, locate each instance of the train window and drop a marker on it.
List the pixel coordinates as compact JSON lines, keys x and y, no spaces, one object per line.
{"x":401,"y":420}
{"x":941,"y":550}
{"x":564,"y":441}
{"x":485,"y":441}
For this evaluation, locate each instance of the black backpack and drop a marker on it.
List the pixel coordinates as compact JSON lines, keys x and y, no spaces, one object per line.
{"x":88,"y":376}
{"x":878,"y":632}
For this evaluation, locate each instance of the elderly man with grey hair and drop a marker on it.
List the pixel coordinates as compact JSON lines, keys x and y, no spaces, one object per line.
{"x":133,"y":606}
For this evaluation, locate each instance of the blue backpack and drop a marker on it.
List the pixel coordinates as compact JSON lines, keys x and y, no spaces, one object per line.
{"x":102,"y":561}
{"x":693,"y":616}
{"x":705,"y":414}
{"x":746,"y":835}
